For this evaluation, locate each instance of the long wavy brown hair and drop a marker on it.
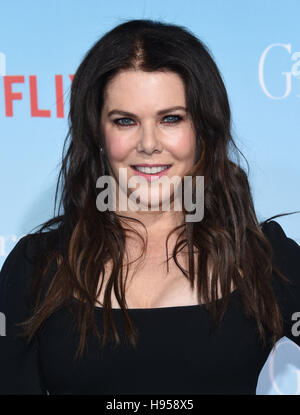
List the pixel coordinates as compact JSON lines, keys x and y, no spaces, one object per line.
{"x":82,"y":239}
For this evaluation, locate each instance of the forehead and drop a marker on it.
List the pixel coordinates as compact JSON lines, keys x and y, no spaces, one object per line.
{"x":138,"y":88}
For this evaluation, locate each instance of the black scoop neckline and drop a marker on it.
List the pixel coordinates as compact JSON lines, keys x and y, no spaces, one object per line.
{"x":169,"y":308}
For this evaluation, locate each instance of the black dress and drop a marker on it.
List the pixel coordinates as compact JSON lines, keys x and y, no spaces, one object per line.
{"x":176,"y":353}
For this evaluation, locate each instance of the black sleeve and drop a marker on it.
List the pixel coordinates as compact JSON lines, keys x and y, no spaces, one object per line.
{"x":19,"y":361}
{"x":286,"y":257}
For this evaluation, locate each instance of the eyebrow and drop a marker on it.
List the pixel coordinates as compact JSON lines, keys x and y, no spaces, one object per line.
{"x":161,"y":112}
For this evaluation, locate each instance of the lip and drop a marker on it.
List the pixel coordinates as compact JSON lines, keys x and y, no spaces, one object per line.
{"x":151,"y":177}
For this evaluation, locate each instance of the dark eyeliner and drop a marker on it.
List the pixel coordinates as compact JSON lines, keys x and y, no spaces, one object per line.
{"x":122,"y":125}
{"x":179,"y":118}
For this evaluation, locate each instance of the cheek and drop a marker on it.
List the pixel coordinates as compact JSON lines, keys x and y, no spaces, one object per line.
{"x":118,"y":148}
{"x":183,"y":147}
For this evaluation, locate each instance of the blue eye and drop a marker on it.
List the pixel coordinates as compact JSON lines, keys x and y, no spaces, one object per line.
{"x":120,"y":123}
{"x":121,"y":119}
{"x":177,"y":118}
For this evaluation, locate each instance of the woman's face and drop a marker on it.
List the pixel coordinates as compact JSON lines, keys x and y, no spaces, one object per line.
{"x":141,"y":126}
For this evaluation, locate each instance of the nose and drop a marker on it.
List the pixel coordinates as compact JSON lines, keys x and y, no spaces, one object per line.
{"x":149,"y":141}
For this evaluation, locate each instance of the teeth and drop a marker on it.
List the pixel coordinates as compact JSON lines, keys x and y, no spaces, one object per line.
{"x":151,"y":170}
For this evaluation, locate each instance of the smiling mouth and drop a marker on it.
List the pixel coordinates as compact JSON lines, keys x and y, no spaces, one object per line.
{"x":151,"y":170}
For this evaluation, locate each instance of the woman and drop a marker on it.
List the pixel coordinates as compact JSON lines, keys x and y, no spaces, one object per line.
{"x":97,"y":305}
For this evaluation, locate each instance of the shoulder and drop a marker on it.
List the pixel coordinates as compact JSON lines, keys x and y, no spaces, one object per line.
{"x":18,"y":260}
{"x":286,"y":257}
{"x":24,"y":253}
{"x":286,"y":251}
{"x":276,"y":234}
{"x":16,"y":274}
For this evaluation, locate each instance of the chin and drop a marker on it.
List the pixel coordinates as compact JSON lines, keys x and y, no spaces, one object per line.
{"x":157,"y":201}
